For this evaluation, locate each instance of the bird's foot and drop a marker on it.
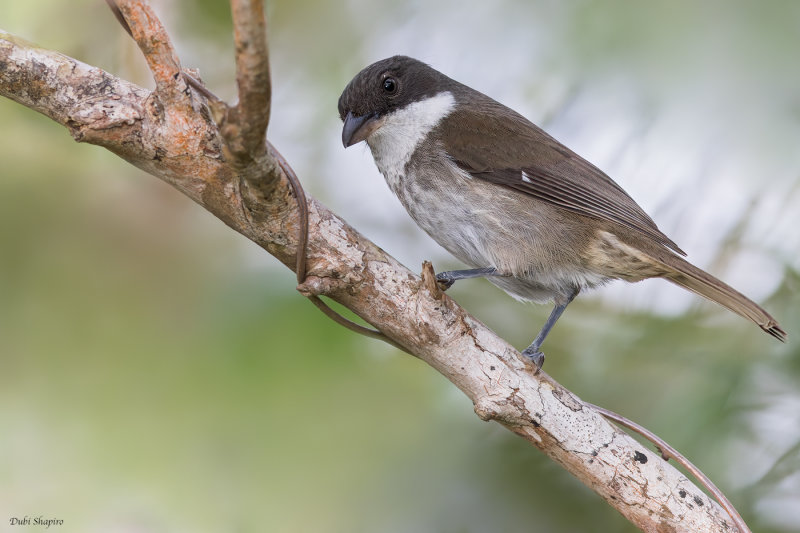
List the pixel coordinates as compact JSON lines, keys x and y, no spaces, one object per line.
{"x":445,"y":280}
{"x":535,"y":356}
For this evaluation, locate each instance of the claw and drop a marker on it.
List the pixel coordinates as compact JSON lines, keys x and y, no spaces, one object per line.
{"x":535,"y":356}
{"x":444,"y":280}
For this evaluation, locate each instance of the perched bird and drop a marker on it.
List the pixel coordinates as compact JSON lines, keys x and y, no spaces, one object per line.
{"x":506,"y":198}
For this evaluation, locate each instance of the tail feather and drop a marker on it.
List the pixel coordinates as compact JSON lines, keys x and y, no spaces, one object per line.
{"x":690,"y":277}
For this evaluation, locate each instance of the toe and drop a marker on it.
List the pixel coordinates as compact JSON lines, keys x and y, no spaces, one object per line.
{"x":536,"y":357}
{"x":444,"y":280}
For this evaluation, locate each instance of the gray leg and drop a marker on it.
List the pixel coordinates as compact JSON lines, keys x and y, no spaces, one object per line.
{"x":532,"y":352}
{"x":446,"y":279}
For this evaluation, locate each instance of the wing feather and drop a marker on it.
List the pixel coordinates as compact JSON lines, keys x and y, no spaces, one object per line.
{"x":530,"y":161}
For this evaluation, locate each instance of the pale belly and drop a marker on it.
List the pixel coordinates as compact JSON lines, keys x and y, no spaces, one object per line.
{"x":469,"y":218}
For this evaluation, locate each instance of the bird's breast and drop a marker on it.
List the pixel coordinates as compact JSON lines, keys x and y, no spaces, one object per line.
{"x":404,"y":130}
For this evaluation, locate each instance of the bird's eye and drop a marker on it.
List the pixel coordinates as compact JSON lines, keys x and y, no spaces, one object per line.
{"x":389,"y":86}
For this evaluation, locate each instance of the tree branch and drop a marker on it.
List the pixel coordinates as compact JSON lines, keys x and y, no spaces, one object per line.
{"x":155,"y":44}
{"x":250,"y":116}
{"x":170,"y":134}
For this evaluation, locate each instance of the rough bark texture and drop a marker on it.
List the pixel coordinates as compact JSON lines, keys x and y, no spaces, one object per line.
{"x":170,"y":134}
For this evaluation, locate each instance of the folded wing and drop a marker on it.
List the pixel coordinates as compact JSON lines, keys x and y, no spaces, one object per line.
{"x":532,"y":162}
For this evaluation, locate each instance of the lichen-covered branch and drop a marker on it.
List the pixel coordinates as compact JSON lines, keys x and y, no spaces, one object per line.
{"x":170,"y":134}
{"x":250,"y":115}
{"x":156,"y":46}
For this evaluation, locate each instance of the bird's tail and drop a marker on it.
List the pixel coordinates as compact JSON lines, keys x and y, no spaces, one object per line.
{"x":688,"y":276}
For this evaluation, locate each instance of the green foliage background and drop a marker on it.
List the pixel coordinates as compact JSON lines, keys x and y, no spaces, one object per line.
{"x":159,"y":373}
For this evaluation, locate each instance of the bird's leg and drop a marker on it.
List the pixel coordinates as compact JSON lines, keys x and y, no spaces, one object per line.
{"x":445,"y":280}
{"x":532,"y":352}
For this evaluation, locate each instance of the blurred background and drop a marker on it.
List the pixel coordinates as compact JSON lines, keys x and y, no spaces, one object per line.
{"x":160,"y":373}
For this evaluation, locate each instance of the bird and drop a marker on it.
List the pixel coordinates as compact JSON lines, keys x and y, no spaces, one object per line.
{"x":504,"y":197}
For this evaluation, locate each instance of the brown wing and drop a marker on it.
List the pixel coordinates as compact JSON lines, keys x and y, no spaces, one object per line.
{"x":530,"y":161}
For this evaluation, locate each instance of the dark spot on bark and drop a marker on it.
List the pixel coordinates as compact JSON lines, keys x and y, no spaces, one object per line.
{"x":639,"y":456}
{"x":535,"y":423}
{"x":698,"y":501}
{"x":155,"y":106}
{"x":682,"y":493}
{"x":491,"y":368}
{"x":594,"y":453}
{"x":160,"y":153}
{"x":605,"y":445}
{"x":31,"y":82}
{"x":103,"y":87}
{"x":591,"y":461}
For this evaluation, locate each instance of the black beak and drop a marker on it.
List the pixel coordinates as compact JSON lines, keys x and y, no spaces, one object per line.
{"x":356,"y":129}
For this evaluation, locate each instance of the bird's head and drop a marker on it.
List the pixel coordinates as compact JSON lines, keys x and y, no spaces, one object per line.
{"x":381,"y":90}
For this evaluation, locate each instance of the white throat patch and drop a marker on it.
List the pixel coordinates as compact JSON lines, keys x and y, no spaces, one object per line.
{"x":393,"y":143}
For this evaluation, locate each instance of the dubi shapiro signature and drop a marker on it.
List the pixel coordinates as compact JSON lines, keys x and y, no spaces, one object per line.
{"x":36,"y":521}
